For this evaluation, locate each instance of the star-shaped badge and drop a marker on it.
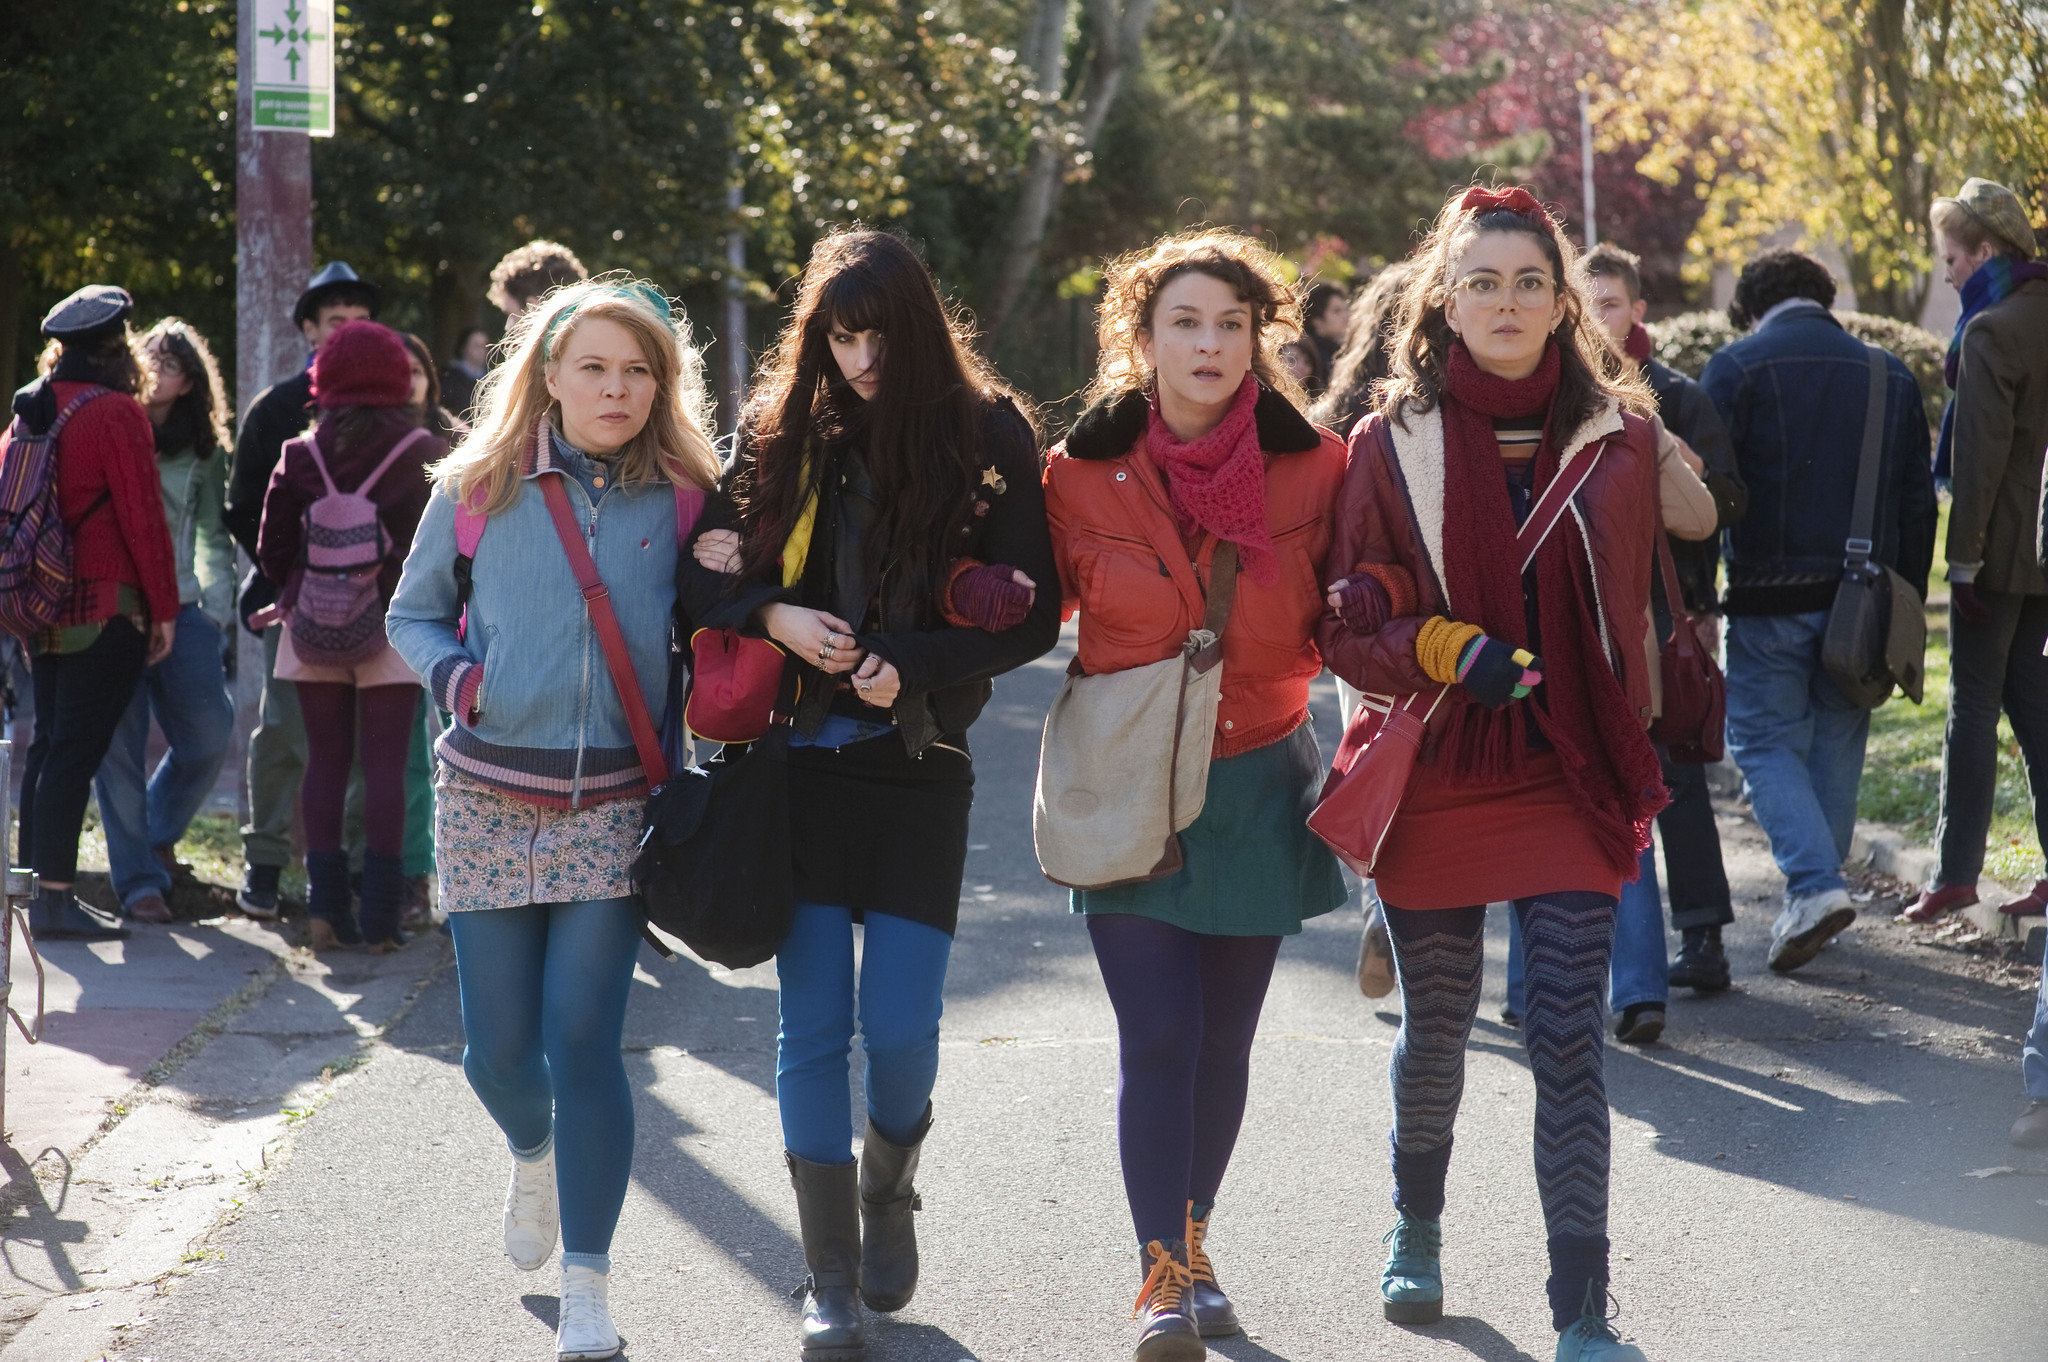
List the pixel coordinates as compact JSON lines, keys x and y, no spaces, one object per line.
{"x":993,"y":480}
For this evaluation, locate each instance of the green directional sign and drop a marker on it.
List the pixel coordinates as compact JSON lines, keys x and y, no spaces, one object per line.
{"x":292,"y":87}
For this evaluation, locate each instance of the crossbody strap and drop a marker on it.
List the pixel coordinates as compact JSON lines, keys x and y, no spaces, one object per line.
{"x":1222,"y":587}
{"x":1863,"y":519}
{"x":617,"y":659}
{"x":1550,"y":506}
{"x":1680,"y":616}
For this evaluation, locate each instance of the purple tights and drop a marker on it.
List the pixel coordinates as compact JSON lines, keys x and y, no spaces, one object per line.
{"x":1187,"y":1005}
{"x":330,"y":710}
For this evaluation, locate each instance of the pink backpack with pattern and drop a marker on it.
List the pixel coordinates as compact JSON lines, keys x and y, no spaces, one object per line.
{"x":335,"y":617}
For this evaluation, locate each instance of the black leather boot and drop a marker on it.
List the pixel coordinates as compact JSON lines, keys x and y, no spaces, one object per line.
{"x":1166,"y":1331}
{"x":1214,"y":1315}
{"x":1702,"y":964}
{"x":888,"y":1196}
{"x":828,"y":1210}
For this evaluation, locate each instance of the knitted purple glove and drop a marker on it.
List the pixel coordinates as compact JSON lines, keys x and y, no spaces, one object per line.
{"x":987,"y":597}
{"x":1362,"y":603}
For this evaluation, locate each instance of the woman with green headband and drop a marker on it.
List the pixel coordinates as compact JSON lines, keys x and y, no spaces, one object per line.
{"x":540,"y":796}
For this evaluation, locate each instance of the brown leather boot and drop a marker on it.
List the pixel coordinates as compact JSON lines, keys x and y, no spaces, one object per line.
{"x":888,"y":1197}
{"x":1214,"y":1315}
{"x":1166,"y":1331}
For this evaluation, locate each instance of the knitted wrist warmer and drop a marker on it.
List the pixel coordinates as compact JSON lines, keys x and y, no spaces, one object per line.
{"x":1362,"y":603}
{"x":1398,"y":583}
{"x":1438,"y":644}
{"x":985,"y":596}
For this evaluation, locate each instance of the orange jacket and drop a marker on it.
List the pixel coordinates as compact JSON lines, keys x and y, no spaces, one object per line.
{"x":1124,"y":566}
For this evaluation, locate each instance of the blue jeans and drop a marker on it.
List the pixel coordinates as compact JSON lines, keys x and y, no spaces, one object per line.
{"x":544,"y":990}
{"x":188,"y":692}
{"x":1799,"y":744}
{"x":1638,"y":970}
{"x":2034,"y":1058}
{"x":902,"y":974}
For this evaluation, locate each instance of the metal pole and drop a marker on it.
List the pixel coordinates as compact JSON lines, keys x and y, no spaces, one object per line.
{"x":1586,"y":165}
{"x":273,"y":232}
{"x":733,"y":361}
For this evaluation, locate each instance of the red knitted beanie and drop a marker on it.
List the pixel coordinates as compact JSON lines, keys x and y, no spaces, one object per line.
{"x":362,"y":364}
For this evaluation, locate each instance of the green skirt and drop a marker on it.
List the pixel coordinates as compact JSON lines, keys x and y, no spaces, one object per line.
{"x":1252,"y":866}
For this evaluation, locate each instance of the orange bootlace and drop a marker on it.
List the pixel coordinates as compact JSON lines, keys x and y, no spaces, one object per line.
{"x":1199,"y":1266}
{"x":1165,"y":1283}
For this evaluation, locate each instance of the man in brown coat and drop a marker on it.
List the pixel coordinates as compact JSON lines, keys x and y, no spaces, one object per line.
{"x":1998,"y":612}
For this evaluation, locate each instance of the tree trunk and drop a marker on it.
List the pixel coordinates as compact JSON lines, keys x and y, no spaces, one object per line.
{"x":1119,"y":32}
{"x":452,"y":305}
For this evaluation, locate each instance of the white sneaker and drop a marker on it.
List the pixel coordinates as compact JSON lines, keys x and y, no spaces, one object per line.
{"x":1808,"y":923}
{"x":533,"y":1213}
{"x":586,"y":1330}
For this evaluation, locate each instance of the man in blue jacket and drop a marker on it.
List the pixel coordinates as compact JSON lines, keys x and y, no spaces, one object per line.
{"x":1793,"y":394}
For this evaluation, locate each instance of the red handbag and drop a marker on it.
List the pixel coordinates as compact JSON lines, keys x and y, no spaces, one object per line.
{"x":733,"y":684}
{"x":1695,"y":692}
{"x":1369,"y":779}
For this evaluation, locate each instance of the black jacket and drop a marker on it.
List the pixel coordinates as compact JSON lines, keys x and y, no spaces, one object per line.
{"x":946,"y":671}
{"x":280,"y":412}
{"x":1689,"y":414}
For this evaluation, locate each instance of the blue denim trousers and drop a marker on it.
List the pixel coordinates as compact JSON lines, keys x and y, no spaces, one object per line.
{"x":1639,"y":969}
{"x":2034,"y":1057}
{"x":902,"y":975}
{"x":1799,"y":744}
{"x":188,"y":694}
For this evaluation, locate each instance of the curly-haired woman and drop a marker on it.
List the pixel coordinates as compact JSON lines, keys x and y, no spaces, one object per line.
{"x":1194,"y":456}
{"x":1537,"y":782}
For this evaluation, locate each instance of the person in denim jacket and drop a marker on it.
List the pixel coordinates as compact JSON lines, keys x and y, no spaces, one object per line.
{"x":1792,"y":394}
{"x":540,"y":796}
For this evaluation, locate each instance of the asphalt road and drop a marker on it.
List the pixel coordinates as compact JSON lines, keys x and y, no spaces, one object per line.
{"x":1789,"y":1165}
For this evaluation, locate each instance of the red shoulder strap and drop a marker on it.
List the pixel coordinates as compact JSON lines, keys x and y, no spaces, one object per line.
{"x":617,"y":659}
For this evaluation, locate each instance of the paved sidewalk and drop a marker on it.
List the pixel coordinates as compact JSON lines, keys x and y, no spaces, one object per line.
{"x":173,"y":1065}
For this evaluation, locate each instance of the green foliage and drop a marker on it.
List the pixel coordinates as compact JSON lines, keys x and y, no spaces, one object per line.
{"x":116,"y":162}
{"x":1686,"y":342}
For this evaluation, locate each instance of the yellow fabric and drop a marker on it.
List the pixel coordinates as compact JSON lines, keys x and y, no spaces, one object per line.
{"x":1438,"y":644}
{"x":797,"y":547}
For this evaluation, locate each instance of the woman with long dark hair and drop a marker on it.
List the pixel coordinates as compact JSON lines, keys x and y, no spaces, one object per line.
{"x":1194,"y":472}
{"x":1536,"y":782}
{"x":121,"y":613}
{"x":186,"y":692}
{"x":886,"y":503}
{"x":1365,"y":361}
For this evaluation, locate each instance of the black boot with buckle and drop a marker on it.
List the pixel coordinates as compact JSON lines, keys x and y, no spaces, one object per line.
{"x":888,"y":1199}
{"x":828,"y":1211}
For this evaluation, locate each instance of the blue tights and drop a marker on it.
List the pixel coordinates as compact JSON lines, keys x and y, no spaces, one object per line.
{"x":902,"y":973}
{"x":544,"y":990}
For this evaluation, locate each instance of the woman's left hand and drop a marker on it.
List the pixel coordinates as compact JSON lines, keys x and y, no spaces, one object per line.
{"x":717,"y":550}
{"x":876,"y":682}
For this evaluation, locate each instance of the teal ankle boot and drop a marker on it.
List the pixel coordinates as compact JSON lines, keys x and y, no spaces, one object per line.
{"x":1592,"y":1337}
{"x":1412,"y":1287}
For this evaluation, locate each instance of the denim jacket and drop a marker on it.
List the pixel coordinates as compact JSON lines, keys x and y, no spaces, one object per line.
{"x":1793,"y":395}
{"x":537,"y":716}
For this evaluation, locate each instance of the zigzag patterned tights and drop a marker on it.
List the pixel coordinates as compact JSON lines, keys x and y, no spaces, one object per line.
{"x":1439,"y":954}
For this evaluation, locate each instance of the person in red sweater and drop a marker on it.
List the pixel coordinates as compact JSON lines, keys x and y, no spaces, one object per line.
{"x":124,"y":602}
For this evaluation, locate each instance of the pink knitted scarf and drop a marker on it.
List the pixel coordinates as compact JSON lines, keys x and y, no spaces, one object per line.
{"x":1218,"y":482}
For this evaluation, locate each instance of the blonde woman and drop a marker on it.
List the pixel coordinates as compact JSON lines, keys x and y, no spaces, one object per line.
{"x":541,"y":789}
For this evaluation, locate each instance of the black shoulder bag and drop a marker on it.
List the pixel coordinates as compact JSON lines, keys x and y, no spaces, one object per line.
{"x":1877,"y":630}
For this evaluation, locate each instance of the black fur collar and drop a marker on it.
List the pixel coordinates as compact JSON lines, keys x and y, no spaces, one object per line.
{"x":1108,"y":429}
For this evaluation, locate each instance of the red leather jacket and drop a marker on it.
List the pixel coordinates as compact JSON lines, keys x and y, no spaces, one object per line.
{"x":1124,"y":566}
{"x":1391,"y":510}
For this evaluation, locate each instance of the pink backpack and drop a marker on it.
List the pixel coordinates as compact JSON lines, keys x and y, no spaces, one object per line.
{"x":335,"y":617}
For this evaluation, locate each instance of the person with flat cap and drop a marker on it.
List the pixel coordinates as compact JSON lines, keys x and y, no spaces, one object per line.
{"x":123,"y":610}
{"x":277,"y":746}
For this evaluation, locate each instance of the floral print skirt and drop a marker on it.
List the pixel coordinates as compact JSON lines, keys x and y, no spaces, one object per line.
{"x":493,"y":851}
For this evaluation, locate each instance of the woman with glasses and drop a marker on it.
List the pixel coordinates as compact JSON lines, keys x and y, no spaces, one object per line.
{"x":1536,"y":782}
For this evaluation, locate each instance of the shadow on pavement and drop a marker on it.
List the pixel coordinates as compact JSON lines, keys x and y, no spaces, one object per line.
{"x":38,"y":1224}
{"x":1475,"y":1336}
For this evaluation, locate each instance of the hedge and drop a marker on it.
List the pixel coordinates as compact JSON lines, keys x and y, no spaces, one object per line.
{"x":1686,"y":342}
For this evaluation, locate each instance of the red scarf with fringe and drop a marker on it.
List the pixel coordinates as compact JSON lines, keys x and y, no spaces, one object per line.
{"x":1581,"y":708}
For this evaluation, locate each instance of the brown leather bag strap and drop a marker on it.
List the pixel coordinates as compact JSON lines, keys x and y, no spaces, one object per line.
{"x":1222,"y":587}
{"x":1681,"y":618}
